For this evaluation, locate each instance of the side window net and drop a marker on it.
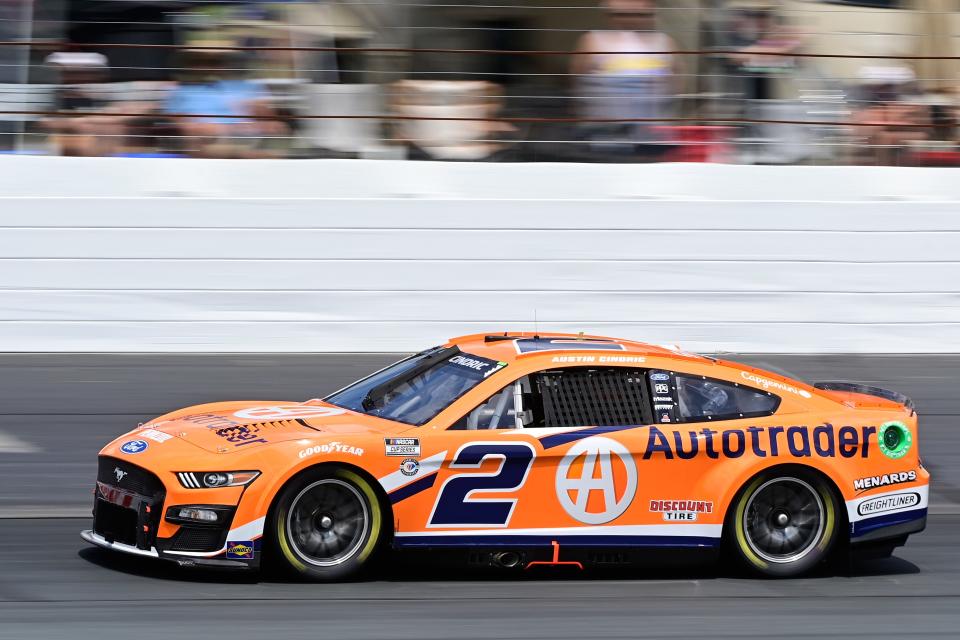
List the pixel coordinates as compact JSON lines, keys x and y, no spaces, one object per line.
{"x":588,"y":397}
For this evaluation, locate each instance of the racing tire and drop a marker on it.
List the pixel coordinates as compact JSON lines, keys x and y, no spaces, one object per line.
{"x":783,"y":523}
{"x":327,"y":525}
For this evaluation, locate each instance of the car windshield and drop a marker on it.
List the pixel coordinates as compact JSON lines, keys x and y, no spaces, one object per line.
{"x":416,"y":389}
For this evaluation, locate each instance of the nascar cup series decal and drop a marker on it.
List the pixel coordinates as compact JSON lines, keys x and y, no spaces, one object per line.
{"x":401,"y":446}
{"x":134,"y":446}
{"x":592,"y":495}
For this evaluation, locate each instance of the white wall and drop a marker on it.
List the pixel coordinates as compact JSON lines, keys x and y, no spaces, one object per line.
{"x":191,"y":255}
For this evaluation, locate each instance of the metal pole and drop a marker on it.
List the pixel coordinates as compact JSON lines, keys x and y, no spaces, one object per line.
{"x":23,"y":71}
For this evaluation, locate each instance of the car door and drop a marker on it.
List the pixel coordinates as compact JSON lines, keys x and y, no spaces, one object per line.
{"x":530,"y":461}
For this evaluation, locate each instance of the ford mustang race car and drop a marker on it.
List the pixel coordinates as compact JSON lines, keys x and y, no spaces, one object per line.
{"x":516,"y":450}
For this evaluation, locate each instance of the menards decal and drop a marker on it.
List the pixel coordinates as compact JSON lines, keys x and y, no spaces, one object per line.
{"x":862,"y":484}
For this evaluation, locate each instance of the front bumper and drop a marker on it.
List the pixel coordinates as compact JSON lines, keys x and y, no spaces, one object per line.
{"x":100,"y":541}
{"x":184,"y":560}
{"x":128,"y":517}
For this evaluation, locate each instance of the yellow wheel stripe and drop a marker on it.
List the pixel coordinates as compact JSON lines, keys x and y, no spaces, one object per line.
{"x":284,"y":545}
{"x":375,"y":516}
{"x":738,"y":527}
{"x":828,"y":507}
{"x":828,"y":529}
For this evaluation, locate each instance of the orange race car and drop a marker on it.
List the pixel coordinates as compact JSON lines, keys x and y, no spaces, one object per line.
{"x":521,"y":449}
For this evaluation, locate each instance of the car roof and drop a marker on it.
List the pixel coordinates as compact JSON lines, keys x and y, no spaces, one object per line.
{"x":509,"y":346}
{"x":542,"y":348}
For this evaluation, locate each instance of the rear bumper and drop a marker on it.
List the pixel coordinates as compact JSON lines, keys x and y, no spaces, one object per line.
{"x":894,"y":525}
{"x":889,"y":515}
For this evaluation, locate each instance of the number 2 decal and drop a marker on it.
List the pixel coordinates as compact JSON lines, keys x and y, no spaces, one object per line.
{"x":455,"y":505}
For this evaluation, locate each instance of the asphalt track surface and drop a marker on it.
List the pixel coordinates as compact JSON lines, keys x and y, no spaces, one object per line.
{"x":57,"y":410}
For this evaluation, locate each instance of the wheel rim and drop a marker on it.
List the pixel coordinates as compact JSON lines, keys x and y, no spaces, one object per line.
{"x":783,"y":520}
{"x":327,"y":522}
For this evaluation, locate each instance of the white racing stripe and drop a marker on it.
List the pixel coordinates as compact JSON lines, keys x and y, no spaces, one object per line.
{"x":697,"y":530}
{"x":878,"y":504}
{"x":397,"y":479}
{"x":244,"y":533}
{"x":541,"y":431}
{"x":100,"y":541}
{"x":197,"y":554}
{"x":249,"y":531}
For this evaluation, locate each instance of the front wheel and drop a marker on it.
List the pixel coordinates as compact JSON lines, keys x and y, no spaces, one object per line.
{"x":326,"y":526}
{"x":784,"y":522}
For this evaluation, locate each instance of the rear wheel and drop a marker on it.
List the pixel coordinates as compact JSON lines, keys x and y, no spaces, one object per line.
{"x":326,"y":526}
{"x":784,"y":522}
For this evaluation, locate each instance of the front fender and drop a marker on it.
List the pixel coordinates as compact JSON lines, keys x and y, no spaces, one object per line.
{"x":283,"y":461}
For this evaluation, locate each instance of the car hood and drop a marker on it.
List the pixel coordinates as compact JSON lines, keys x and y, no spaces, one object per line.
{"x":242,"y":426}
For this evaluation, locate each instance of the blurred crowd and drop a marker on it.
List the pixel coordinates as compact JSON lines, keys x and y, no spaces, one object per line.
{"x":750,"y":81}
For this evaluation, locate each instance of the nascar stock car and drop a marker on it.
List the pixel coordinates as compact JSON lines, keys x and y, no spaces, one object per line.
{"x":516,"y":449}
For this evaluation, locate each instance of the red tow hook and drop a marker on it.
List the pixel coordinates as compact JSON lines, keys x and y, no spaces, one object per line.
{"x":556,"y":562}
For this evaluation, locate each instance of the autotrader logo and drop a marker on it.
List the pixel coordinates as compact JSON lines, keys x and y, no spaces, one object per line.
{"x":596,"y":480}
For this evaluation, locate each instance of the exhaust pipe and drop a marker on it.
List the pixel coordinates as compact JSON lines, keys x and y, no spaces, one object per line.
{"x":506,"y":559}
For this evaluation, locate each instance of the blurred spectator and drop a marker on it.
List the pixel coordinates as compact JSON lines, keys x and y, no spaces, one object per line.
{"x":100,"y":25}
{"x":101,"y":126}
{"x":626,"y":71}
{"x":891,"y":109}
{"x":754,"y":76}
{"x":453,"y":135}
{"x":754,"y":30}
{"x":231,"y":116}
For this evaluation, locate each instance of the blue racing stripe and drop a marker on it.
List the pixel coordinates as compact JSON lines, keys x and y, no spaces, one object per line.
{"x":455,"y":540}
{"x":558,"y":439}
{"x":888,"y":520}
{"x":413,"y":488}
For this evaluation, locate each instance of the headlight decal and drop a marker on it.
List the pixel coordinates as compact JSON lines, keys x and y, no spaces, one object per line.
{"x":215,"y":479}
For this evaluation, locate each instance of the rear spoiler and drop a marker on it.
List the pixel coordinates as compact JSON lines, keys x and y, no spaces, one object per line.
{"x":855,"y":387}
